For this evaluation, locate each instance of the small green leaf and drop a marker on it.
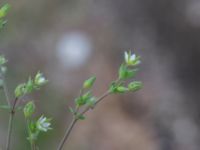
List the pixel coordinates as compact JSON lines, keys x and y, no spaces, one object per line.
{"x":89,"y":82}
{"x":80,"y":117}
{"x":71,"y":110}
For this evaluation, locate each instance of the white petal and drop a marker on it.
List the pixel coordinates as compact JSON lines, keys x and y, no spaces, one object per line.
{"x":46,"y":124}
{"x":126,"y":56}
{"x":133,"y":57}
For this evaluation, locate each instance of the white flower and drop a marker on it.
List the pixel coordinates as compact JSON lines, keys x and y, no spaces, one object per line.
{"x":131,"y":59}
{"x":43,"y":124}
{"x":40,"y":79}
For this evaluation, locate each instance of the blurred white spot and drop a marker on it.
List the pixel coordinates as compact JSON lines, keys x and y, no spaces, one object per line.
{"x":193,"y":12}
{"x":74,"y":49}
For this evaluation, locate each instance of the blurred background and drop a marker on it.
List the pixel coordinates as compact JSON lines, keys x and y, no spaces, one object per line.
{"x":70,"y":40}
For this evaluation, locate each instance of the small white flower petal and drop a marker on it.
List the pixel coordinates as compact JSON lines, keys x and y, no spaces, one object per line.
{"x":133,"y":57}
{"x":126,"y":56}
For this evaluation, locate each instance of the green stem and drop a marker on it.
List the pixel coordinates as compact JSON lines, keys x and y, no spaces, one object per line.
{"x":67,"y":133}
{"x":6,"y":91}
{"x":33,"y":146}
{"x":74,"y":120}
{"x":10,"y":125}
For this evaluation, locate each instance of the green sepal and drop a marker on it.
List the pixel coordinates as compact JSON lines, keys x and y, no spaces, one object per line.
{"x":29,"y":109}
{"x":126,"y":73}
{"x":135,"y":85}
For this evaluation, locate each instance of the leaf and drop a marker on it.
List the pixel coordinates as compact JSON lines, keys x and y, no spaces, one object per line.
{"x":5,"y":107}
{"x":80,"y":117}
{"x":71,"y":110}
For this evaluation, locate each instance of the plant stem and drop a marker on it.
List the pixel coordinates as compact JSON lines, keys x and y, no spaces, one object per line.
{"x":10,"y":125}
{"x":74,"y":120}
{"x":6,"y":91}
{"x":33,"y":146}
{"x":67,"y":133}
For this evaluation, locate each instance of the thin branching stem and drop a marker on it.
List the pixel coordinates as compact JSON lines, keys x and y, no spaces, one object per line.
{"x":75,"y":119}
{"x":6,"y":91}
{"x":10,"y":125}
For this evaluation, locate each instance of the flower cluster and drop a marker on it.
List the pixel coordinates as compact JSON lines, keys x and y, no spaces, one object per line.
{"x":32,"y":84}
{"x":127,"y":71}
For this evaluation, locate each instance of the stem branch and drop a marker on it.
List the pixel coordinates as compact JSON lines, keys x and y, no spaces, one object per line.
{"x":74,"y":121}
{"x":10,"y":125}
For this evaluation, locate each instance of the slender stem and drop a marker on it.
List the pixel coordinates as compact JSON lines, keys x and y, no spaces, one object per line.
{"x":33,"y":146}
{"x":6,"y":92}
{"x":9,"y":131}
{"x":98,"y":101}
{"x":10,"y":125}
{"x":74,"y":121}
{"x":5,"y":89}
{"x":67,"y":133}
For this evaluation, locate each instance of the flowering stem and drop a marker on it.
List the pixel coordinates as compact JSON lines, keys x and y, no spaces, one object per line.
{"x":12,"y":113}
{"x":75,"y":119}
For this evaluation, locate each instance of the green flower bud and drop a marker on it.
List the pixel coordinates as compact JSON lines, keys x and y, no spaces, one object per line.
{"x":4,"y":10}
{"x":121,"y":89}
{"x":89,"y":82}
{"x":20,"y":90}
{"x":82,"y":100}
{"x":29,"y":109}
{"x":134,"y":86}
{"x":3,"y":69}
{"x":2,"y":60}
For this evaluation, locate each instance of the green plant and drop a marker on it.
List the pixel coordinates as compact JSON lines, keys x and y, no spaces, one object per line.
{"x":83,"y":103}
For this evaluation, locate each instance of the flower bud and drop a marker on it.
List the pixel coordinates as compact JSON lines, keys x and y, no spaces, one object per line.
{"x":89,"y":82}
{"x":29,"y":109}
{"x":134,"y":86}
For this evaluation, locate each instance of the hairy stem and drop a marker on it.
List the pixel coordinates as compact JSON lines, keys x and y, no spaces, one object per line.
{"x":10,"y":125}
{"x":74,"y":121}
